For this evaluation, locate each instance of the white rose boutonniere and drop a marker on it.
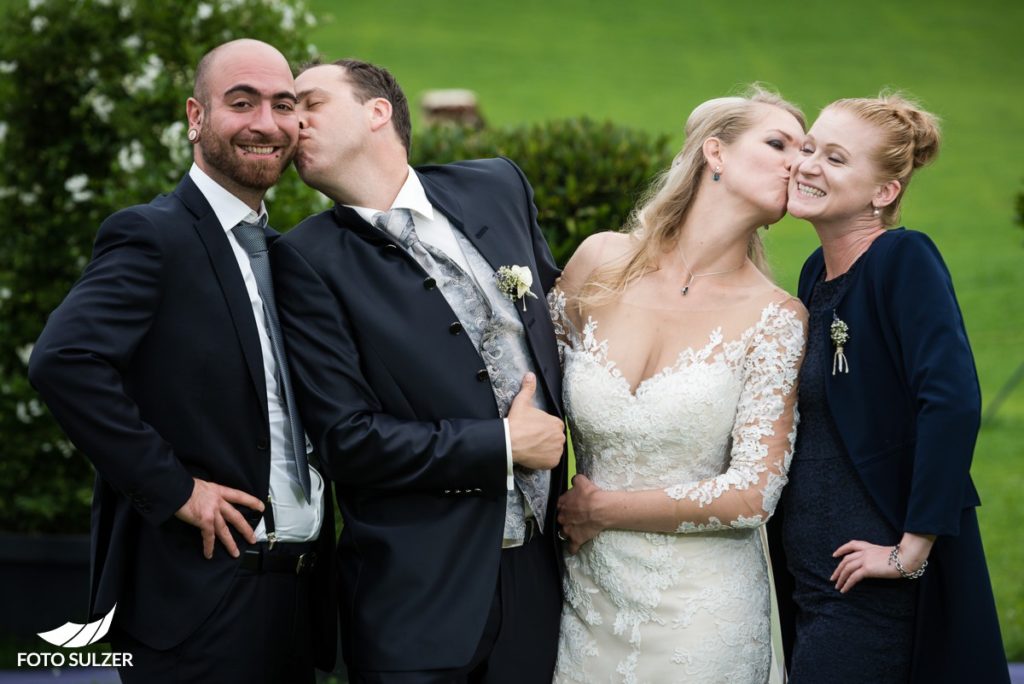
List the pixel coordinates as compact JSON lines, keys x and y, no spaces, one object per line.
{"x":514,"y":282}
{"x":840,"y":333}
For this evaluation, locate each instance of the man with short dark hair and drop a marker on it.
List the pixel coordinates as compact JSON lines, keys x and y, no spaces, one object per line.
{"x":428,"y":376}
{"x":166,"y":367}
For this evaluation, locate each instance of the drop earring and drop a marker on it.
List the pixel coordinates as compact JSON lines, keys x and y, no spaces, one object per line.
{"x":875,"y":211}
{"x":717,"y":175}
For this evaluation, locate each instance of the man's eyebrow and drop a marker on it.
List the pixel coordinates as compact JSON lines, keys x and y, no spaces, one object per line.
{"x":306,"y":93}
{"x":241,"y":88}
{"x":249,"y":90}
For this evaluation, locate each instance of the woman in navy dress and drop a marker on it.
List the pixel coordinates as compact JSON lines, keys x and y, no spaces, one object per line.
{"x":879,"y":564}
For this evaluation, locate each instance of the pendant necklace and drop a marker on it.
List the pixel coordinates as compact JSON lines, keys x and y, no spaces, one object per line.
{"x":693,"y":276}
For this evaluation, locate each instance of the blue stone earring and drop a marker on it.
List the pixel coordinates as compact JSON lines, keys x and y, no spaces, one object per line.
{"x":717,"y":175}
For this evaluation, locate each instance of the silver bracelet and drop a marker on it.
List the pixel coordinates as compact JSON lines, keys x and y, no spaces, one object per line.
{"x":894,"y":559}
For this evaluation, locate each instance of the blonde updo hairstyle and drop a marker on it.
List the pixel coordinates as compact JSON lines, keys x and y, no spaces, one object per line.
{"x":909,"y":139}
{"x":656,"y":222}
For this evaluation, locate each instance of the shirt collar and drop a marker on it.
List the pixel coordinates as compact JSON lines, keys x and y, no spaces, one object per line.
{"x":230,"y":210}
{"x":411,"y":196}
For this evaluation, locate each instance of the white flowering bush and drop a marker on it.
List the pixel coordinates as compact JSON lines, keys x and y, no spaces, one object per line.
{"x":92,"y":119}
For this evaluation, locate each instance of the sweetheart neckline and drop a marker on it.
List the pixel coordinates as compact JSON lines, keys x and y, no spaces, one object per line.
{"x":699,"y":355}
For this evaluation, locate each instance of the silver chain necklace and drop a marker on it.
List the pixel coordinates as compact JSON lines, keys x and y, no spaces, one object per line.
{"x":693,"y":276}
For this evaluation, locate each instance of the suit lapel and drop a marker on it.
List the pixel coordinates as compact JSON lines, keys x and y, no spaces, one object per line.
{"x":225,"y":267}
{"x":497,"y":252}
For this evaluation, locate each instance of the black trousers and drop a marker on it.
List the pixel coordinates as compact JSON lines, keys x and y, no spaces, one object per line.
{"x":520,"y":639}
{"x":260,"y":632}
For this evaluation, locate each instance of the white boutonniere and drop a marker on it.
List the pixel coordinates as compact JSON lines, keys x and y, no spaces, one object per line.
{"x":514,"y":282}
{"x":840,"y":333}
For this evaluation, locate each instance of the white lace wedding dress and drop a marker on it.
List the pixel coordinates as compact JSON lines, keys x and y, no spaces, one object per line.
{"x":716,"y":427}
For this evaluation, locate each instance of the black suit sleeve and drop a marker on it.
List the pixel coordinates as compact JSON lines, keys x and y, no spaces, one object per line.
{"x":78,"y":362}
{"x":360,"y":445}
{"x":943,"y":382}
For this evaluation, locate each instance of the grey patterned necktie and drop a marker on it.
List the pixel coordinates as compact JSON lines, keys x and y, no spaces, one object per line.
{"x":399,"y":224}
{"x":253,"y":240}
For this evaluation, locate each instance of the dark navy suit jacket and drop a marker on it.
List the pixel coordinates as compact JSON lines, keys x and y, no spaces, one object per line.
{"x":152,"y":366}
{"x":908,"y":413}
{"x":399,"y":404}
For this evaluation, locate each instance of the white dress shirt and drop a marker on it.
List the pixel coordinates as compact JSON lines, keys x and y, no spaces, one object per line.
{"x":294,"y":519}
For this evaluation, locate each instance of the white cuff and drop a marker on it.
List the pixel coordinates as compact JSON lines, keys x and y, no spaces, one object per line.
{"x":509,"y":480}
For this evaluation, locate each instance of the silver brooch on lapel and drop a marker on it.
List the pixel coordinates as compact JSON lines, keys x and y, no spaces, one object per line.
{"x":514,"y":282}
{"x":840,"y":333}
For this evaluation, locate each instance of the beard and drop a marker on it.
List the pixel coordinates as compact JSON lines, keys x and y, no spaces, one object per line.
{"x":255,"y":174}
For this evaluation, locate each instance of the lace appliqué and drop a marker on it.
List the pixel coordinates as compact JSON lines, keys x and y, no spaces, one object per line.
{"x":770,"y":373}
{"x":693,"y":607}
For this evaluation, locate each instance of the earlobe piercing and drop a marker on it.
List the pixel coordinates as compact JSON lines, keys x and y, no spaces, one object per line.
{"x":193,"y":135}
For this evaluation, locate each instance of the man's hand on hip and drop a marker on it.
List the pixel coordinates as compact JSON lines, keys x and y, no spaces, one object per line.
{"x":209,"y":508}
{"x":537,"y":437}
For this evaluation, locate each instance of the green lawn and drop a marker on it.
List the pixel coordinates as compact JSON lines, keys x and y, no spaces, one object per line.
{"x":647,"y":64}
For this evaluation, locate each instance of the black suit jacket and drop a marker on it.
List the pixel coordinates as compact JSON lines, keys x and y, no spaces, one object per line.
{"x":399,"y":404}
{"x":908,"y":414}
{"x":152,"y":366}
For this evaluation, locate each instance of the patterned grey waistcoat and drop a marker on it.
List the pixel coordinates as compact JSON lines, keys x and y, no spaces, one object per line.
{"x":494,"y":326}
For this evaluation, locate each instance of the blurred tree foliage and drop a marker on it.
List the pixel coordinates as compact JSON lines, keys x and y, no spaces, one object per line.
{"x":92,"y":119}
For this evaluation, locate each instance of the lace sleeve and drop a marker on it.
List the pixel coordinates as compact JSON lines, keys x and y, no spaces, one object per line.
{"x":566,"y":334}
{"x":763,"y":434}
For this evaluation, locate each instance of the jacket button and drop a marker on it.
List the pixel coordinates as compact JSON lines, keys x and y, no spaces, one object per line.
{"x":429,"y":284}
{"x":262,"y":443}
{"x":481,"y":375}
{"x":455,"y":328}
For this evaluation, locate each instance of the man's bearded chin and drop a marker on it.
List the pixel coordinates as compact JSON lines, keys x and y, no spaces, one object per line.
{"x":256,"y":174}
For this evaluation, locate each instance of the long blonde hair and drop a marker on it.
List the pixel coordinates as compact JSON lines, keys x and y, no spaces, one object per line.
{"x":655,"y":224}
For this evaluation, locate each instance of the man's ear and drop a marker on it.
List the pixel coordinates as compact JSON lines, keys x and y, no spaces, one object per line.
{"x":380,"y":113}
{"x":194,"y":112}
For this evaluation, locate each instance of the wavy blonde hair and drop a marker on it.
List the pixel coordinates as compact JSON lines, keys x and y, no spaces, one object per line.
{"x":655,"y":224}
{"x":909,"y":138}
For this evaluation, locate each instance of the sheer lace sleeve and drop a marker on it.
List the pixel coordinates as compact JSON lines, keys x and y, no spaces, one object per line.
{"x":566,"y":332}
{"x":763,"y":434}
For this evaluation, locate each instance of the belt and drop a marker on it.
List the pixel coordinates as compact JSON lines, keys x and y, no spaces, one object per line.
{"x":295,"y":558}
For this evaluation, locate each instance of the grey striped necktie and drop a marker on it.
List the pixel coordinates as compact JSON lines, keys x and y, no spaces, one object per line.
{"x":253,"y":239}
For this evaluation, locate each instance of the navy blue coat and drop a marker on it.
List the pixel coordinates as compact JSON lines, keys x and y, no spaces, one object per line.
{"x":152,"y":366}
{"x":399,"y":404}
{"x":908,"y":413}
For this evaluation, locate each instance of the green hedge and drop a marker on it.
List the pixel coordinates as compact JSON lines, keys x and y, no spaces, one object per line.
{"x":586,"y":175}
{"x":92,"y":119}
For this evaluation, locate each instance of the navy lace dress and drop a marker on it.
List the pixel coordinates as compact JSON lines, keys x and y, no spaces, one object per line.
{"x":866,"y":634}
